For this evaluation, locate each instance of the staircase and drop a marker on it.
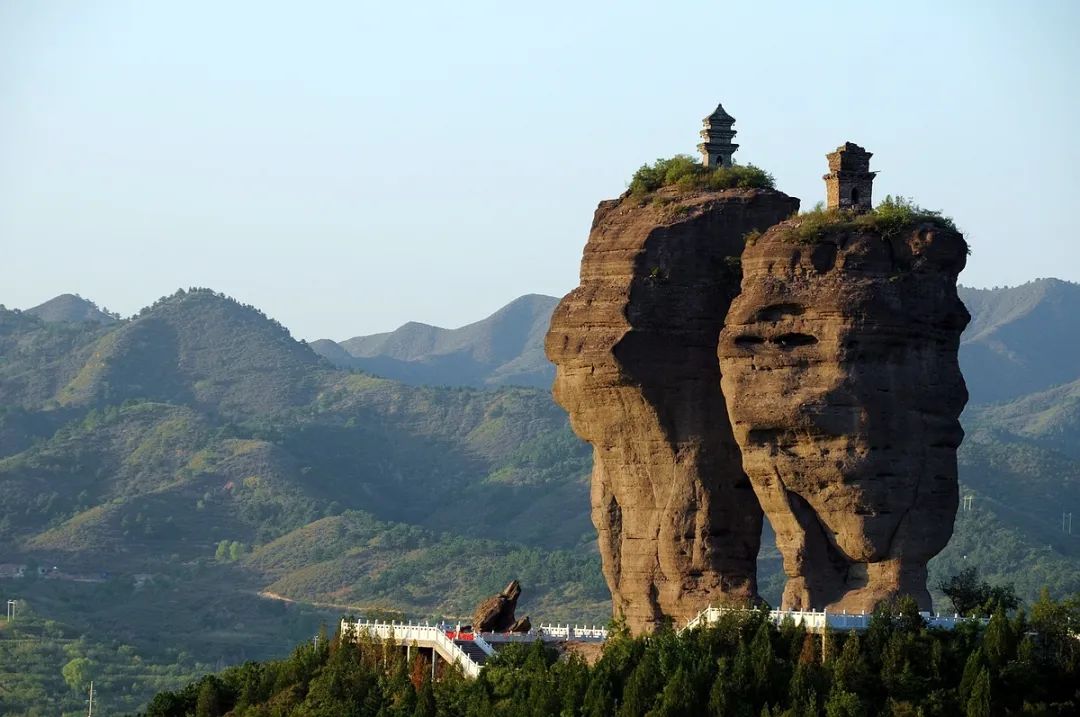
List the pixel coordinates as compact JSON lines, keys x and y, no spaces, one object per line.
{"x":475,"y":653}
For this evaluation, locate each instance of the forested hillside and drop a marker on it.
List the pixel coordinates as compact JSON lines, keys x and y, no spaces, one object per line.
{"x":161,"y":471}
{"x":744,"y":666}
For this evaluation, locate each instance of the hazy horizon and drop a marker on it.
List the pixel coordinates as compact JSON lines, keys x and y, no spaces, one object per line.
{"x":353,"y":167}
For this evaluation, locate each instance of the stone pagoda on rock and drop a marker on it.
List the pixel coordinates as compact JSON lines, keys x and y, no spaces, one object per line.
{"x":849,"y":183}
{"x":717,"y":148}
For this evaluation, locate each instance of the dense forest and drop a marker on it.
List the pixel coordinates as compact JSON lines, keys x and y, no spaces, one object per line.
{"x":743,"y":666}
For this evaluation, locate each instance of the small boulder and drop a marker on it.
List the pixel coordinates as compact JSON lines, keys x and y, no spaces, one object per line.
{"x":522,"y":624}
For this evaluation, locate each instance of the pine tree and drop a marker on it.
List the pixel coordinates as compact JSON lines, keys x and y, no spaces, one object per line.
{"x":762,"y":659}
{"x":978,"y":705}
{"x":975,"y":664}
{"x":425,"y":701}
{"x":999,"y":642}
{"x":208,"y":703}
{"x":643,"y":687}
{"x":844,"y":704}
{"x":600,"y":696}
{"x":677,"y":699}
{"x":850,"y":671}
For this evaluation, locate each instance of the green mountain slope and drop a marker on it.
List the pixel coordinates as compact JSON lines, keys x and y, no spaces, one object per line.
{"x":1021,"y":339}
{"x":71,"y":308}
{"x":505,"y":348}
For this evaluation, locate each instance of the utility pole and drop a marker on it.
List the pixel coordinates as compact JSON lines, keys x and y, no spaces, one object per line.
{"x":967,"y":502}
{"x":11,"y":610}
{"x":90,"y":712}
{"x":1066,"y":523}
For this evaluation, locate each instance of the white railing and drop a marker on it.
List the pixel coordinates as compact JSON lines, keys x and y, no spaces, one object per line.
{"x":432,"y":636}
{"x":549,"y":633}
{"x":483,"y":645}
{"x":573,"y":632}
{"x":815,"y":620}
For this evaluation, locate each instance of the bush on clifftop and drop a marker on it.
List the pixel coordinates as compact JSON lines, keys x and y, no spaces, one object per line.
{"x":890,"y":218}
{"x":686,"y":172}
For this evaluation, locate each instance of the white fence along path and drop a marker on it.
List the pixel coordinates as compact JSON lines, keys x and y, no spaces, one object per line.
{"x":816,"y":621}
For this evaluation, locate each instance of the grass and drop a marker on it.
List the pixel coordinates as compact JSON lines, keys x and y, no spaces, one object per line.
{"x":687,"y":173}
{"x":891,"y":218}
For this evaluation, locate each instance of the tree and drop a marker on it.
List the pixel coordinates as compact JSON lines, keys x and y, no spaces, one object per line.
{"x":850,"y":671}
{"x":78,"y":672}
{"x":425,"y":700}
{"x":999,"y":642}
{"x":677,"y":699}
{"x":600,"y":696}
{"x":643,"y":687}
{"x":975,"y":665}
{"x":978,"y":705}
{"x":844,"y":704}
{"x":971,"y":596}
{"x":762,"y":662}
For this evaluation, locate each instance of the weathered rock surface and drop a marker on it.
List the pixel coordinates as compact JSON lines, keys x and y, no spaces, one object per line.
{"x":839,"y":362}
{"x":635,"y":353}
{"x":522,"y":624}
{"x":496,"y":614}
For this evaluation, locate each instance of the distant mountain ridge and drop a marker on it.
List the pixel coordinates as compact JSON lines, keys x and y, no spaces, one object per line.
{"x":506,"y":348}
{"x":1021,"y":339}
{"x":71,"y":308}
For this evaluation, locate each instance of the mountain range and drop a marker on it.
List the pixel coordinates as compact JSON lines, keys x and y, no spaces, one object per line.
{"x":506,"y":348}
{"x":170,"y":466}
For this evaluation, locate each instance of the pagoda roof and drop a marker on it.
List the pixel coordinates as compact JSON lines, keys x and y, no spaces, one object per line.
{"x":720,"y":115}
{"x":853,"y":148}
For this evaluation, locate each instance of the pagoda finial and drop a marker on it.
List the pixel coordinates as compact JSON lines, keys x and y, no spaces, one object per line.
{"x":717,"y":148}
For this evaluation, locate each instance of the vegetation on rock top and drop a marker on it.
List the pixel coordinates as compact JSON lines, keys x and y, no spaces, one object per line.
{"x":687,"y":173}
{"x":891,"y":218}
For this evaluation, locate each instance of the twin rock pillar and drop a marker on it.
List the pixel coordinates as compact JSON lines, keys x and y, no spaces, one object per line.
{"x":836,"y":411}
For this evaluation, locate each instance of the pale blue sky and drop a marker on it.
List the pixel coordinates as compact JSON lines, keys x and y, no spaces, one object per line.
{"x":348,"y":166}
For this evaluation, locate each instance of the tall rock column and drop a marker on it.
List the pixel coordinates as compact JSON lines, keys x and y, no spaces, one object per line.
{"x":839,"y":363}
{"x":635,"y":353}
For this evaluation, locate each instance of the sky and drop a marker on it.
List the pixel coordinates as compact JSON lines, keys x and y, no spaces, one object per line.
{"x":350,"y":166}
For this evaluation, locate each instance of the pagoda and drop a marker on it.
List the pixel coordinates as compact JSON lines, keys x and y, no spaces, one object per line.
{"x":717,"y":148}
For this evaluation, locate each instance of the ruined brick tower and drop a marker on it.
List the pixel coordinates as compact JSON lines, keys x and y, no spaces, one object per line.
{"x":717,"y":148}
{"x":849,"y":183}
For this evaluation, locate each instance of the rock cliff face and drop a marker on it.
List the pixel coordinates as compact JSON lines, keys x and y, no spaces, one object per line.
{"x":839,"y":362}
{"x":635,"y":353}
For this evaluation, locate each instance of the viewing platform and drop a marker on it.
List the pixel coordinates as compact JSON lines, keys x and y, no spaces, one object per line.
{"x":456,"y":646}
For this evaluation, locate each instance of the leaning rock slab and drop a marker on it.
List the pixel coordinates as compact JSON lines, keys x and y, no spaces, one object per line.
{"x":839,"y":362}
{"x":496,"y":614}
{"x":635,"y":353}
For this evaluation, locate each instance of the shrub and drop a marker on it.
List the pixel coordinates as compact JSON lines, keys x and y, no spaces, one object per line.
{"x":687,"y":173}
{"x":890,"y":218}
